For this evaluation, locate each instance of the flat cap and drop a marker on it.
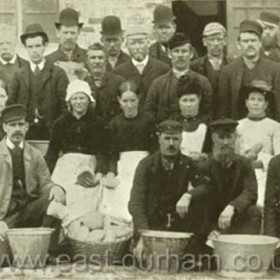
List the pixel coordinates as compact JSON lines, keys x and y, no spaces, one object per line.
{"x":224,"y":124}
{"x":170,"y":126}
{"x":268,"y":17}
{"x":260,"y":86}
{"x":213,"y":28}
{"x":68,"y":17}
{"x":133,"y":30}
{"x":177,"y":40}
{"x":111,"y":25}
{"x":163,"y":14}
{"x":251,"y":26}
{"x":13,"y":113}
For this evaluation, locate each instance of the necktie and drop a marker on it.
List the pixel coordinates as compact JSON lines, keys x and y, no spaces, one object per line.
{"x":37,"y":70}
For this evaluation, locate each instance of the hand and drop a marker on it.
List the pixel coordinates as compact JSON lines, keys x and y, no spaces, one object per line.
{"x":196,"y":156}
{"x":251,"y":155}
{"x":3,"y":229}
{"x":82,"y":73}
{"x":213,"y":235}
{"x":138,"y":250}
{"x":86,"y":179}
{"x":97,"y":178}
{"x":110,"y":180}
{"x":57,"y":194}
{"x":182,"y":205}
{"x":225,"y":217}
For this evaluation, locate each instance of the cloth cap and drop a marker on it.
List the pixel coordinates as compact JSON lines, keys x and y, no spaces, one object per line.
{"x":177,"y":40}
{"x":13,"y":113}
{"x":269,"y":17}
{"x":136,"y":30}
{"x":111,"y":25}
{"x":213,"y":28}
{"x":260,"y":86}
{"x":163,"y":14}
{"x":223,"y":125}
{"x":31,"y":30}
{"x":78,"y":86}
{"x":68,"y":17}
{"x":170,"y":126}
{"x":251,"y":26}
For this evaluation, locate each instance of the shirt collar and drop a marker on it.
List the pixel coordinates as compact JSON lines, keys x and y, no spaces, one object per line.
{"x":40,"y":65}
{"x":179,"y":74}
{"x":143,"y":62}
{"x":11,"y":145}
{"x":12,"y":61}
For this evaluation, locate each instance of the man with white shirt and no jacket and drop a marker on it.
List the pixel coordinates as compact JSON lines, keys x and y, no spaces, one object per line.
{"x":39,"y":86}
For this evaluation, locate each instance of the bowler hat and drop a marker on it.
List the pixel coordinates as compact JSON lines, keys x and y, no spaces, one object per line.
{"x":177,"y":40}
{"x":68,"y":17}
{"x":13,"y":113}
{"x":224,"y":124}
{"x":269,"y":18}
{"x":111,"y":25}
{"x":163,"y":14}
{"x":170,"y":126}
{"x":251,"y":26}
{"x":33,"y":29}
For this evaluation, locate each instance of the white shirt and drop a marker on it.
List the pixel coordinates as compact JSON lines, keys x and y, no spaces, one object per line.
{"x":179,"y":74}
{"x":40,"y":65}
{"x":11,"y":145}
{"x":140,"y":65}
{"x":12,"y":61}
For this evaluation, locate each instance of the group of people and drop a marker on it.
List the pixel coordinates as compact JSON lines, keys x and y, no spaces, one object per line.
{"x":177,"y":142}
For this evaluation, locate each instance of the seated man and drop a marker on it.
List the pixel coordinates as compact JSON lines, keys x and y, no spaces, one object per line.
{"x":161,"y":197}
{"x":233,"y":183}
{"x":26,"y":188}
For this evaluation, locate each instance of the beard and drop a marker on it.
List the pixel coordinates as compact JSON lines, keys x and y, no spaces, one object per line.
{"x":269,"y":42}
{"x":223,"y":155}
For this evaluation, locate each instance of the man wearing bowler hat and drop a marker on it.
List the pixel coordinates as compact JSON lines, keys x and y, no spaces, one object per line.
{"x":246,"y":68}
{"x":162,"y":98}
{"x":112,"y":39}
{"x":40,"y":86}
{"x":270,"y":36}
{"x":26,"y":189}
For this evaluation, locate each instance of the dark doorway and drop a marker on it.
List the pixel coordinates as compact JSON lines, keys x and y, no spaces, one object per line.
{"x":192,"y":16}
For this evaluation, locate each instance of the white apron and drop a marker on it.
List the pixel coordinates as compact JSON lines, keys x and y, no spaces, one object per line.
{"x":193,"y":141}
{"x":69,"y":166}
{"x":116,"y":200}
{"x":261,"y":179}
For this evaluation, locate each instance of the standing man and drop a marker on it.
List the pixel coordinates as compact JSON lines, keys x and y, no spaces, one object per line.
{"x":112,"y":39}
{"x":164,"y":28}
{"x":243,"y":70}
{"x":26,"y":189}
{"x":162,"y":98}
{"x":210,"y":65}
{"x":40,"y":86}
{"x":141,"y":68}
{"x":270,"y":36}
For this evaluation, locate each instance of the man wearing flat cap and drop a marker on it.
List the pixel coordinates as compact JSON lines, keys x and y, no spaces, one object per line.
{"x":112,"y":39}
{"x":141,"y":67}
{"x":211,"y":64}
{"x":162,"y":98}
{"x":161,"y":196}
{"x":69,"y":55}
{"x":26,"y":189}
{"x":234,"y":189}
{"x":40,"y":86}
{"x":270,"y":36}
{"x":246,"y":68}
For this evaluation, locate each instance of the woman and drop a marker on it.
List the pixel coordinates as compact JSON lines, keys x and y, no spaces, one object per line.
{"x":131,"y":137}
{"x":196,"y":140}
{"x":76,"y":135}
{"x":258,"y":135}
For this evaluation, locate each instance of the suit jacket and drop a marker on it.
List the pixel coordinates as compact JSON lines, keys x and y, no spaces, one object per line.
{"x":230,"y":84}
{"x":162,"y":99}
{"x":37,"y":180}
{"x":157,"y":52}
{"x":153,"y":69}
{"x":274,"y":54}
{"x":53,"y":90}
{"x":144,"y":198}
{"x":272,"y":199}
{"x":123,"y":57}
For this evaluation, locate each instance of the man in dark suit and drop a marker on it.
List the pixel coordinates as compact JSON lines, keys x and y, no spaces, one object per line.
{"x":248,"y":67}
{"x":210,"y":65}
{"x":40,"y":86}
{"x":162,"y":99}
{"x":112,"y":39}
{"x":141,"y":68}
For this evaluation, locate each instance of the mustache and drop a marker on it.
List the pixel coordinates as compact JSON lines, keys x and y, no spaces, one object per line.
{"x":18,"y":134}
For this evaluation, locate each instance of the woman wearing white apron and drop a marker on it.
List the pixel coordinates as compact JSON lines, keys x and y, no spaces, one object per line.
{"x":196,"y":139}
{"x":77,"y":135}
{"x":131,"y":137}
{"x":258,"y":135}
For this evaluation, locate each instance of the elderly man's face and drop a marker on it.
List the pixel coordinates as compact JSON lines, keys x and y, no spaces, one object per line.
{"x":270,"y":34}
{"x":249,"y":44}
{"x":3,"y":98}
{"x":164,"y":31}
{"x":7,"y":46}
{"x":170,"y":143}
{"x":112,"y":44}
{"x":181,"y":56}
{"x":68,"y":36}
{"x":215,"y":44}
{"x":138,"y":46}
{"x":96,"y":60}
{"x":16,"y":130}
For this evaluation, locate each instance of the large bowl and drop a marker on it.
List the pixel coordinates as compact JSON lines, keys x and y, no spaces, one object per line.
{"x":164,"y":249}
{"x":29,"y":246}
{"x":244,"y":256}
